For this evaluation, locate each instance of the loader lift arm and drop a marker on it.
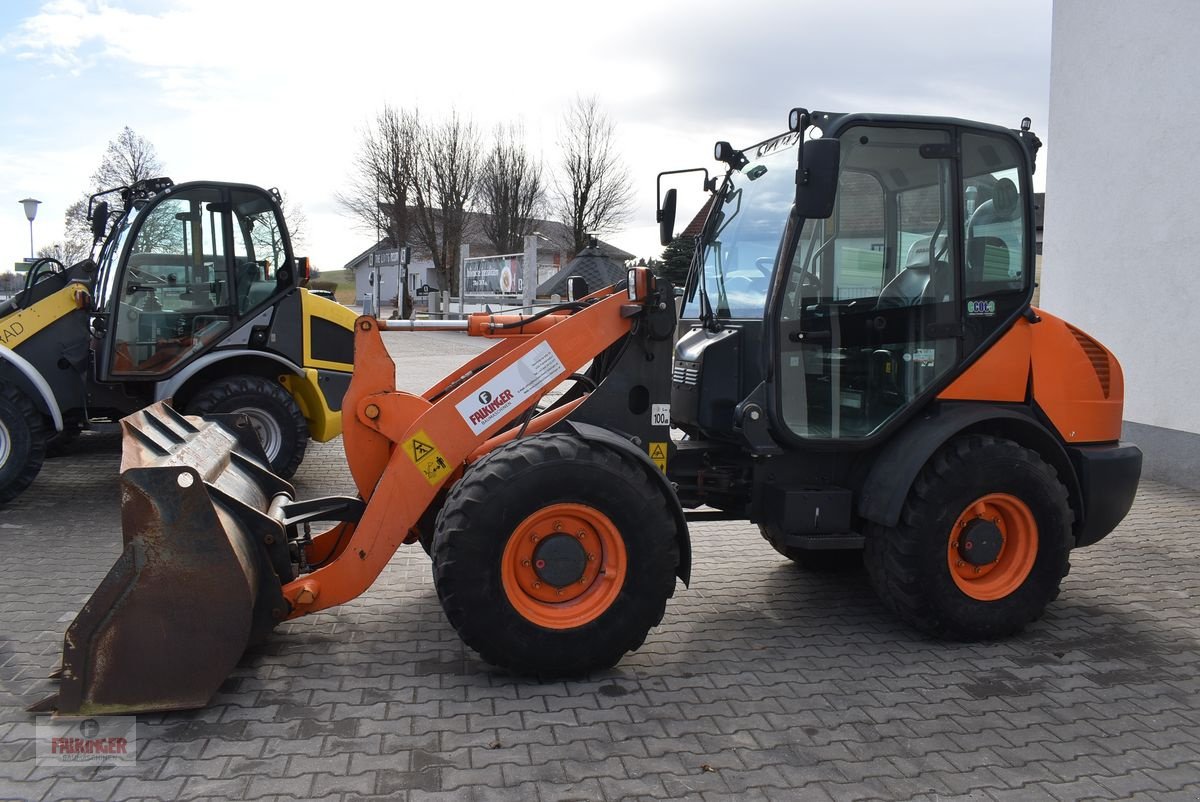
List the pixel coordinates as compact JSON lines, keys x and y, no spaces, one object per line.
{"x":406,"y":453}
{"x":388,"y":437}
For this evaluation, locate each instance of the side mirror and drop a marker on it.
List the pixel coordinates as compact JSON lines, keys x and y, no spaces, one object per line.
{"x":817,"y":178}
{"x":99,"y":220}
{"x":666,"y":218}
{"x":303,"y":271}
{"x":577,"y":287}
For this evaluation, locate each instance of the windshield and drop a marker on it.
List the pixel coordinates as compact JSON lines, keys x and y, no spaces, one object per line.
{"x":108,"y":260}
{"x":739,"y":253}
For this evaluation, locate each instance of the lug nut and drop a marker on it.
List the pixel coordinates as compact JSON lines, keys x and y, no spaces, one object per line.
{"x":525,"y":563}
{"x":558,"y":526}
{"x":579,"y":534}
{"x":591,"y":557}
{"x":537,"y":585}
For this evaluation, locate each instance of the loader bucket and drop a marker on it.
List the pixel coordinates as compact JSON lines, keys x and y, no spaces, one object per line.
{"x":200,"y":575}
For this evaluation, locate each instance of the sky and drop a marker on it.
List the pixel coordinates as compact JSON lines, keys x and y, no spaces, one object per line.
{"x":279,"y":93}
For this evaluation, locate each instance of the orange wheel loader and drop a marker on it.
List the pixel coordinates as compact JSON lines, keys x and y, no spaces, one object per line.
{"x":856,"y":367}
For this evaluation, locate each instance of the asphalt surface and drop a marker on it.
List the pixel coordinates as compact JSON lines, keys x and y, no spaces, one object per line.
{"x":763,"y":681}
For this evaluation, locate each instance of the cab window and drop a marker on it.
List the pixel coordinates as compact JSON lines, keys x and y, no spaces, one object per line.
{"x":174,"y":297}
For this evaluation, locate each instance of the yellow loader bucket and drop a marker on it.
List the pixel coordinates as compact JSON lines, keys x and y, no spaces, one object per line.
{"x":206,"y":553}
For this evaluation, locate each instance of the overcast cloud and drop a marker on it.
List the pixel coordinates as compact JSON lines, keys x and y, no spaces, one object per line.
{"x":277,"y":93}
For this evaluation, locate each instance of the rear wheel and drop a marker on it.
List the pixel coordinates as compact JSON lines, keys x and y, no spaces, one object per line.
{"x":273,"y":414}
{"x":982,"y":545}
{"x":22,"y":442}
{"x":555,"y":556}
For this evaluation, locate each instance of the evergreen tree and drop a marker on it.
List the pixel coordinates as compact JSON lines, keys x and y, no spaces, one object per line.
{"x":676,"y":258}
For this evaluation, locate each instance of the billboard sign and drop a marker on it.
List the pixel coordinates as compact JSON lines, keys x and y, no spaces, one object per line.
{"x":493,"y":275}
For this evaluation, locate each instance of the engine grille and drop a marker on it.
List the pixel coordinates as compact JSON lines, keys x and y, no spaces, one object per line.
{"x":1097,"y":356}
{"x":686,"y":373}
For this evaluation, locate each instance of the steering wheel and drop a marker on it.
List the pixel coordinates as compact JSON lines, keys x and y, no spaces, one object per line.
{"x":42,"y":269}
{"x":765,"y":265}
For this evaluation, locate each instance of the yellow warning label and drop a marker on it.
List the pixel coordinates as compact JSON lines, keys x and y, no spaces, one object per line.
{"x":658,"y":453}
{"x":426,"y":457}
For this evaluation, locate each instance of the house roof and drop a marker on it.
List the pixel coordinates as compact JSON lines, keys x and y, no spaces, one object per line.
{"x":594,"y":264}
{"x":557,"y":235}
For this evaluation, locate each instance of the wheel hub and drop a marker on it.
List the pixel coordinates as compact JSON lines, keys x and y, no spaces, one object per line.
{"x":559,"y":560}
{"x":564,"y":565}
{"x":980,"y":543}
{"x":992,"y":546}
{"x":5,"y":444}
{"x":266,"y":427}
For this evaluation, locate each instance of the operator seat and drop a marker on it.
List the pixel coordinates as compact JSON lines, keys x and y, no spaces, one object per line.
{"x":248,"y":273}
{"x":908,"y":287}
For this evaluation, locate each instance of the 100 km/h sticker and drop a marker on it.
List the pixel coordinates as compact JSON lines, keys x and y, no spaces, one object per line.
{"x":525,"y":378}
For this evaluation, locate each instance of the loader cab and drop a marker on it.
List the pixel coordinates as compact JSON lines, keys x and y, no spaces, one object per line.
{"x":842,"y":325}
{"x":181,"y":270}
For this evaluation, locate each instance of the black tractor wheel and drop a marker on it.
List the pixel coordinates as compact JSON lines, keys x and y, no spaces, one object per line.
{"x":816,"y":560}
{"x":273,"y":413}
{"x":982,"y":545}
{"x":554,"y":556}
{"x":58,"y":444}
{"x":22,"y":442}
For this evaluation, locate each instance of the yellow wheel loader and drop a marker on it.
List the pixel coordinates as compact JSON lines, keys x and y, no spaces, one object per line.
{"x":858,"y":367}
{"x":196,"y":297}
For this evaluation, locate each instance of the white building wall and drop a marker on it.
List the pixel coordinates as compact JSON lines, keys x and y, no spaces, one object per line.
{"x":1122,"y":236}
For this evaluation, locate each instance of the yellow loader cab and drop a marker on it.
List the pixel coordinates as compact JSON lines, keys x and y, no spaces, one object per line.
{"x":196,"y":297}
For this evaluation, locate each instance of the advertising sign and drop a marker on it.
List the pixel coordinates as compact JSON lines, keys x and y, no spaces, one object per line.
{"x":493,"y":275}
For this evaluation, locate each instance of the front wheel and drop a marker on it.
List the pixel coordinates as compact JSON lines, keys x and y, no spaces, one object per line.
{"x":555,"y":556}
{"x":982,"y":544}
{"x":273,"y":414}
{"x":22,"y":442}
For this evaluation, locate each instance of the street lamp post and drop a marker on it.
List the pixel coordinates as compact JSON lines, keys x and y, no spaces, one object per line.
{"x":30,"y":212}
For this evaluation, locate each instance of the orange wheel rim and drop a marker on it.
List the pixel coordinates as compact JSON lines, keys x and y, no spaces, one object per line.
{"x":563,"y":566}
{"x":992,"y":546}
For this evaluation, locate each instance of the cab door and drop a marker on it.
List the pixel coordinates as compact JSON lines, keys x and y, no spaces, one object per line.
{"x":924,"y":262}
{"x":174,"y":292}
{"x":869,"y":314}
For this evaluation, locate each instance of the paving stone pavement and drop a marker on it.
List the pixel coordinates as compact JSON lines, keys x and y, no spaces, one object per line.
{"x":763,"y":681}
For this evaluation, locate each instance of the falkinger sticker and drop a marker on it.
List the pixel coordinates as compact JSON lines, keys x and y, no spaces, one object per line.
{"x":525,"y":378}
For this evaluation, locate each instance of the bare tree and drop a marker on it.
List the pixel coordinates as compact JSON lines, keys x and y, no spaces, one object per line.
{"x":381,"y":184}
{"x":511,"y":192}
{"x":127,"y":159}
{"x":594,"y":193}
{"x":444,"y":186}
{"x":67,"y":250}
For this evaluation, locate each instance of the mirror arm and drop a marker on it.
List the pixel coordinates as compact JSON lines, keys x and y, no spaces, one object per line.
{"x":709,"y":185}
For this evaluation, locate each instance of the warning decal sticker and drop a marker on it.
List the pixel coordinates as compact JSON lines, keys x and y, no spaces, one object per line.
{"x":425,"y":455}
{"x":658,"y":453}
{"x":526,"y":377}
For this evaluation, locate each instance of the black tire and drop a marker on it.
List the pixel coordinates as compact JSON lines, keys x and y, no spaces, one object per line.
{"x":910,"y":565}
{"x":486,"y":509}
{"x":22,"y":442}
{"x":59,"y":444}
{"x":273,"y":413}
{"x":816,"y":560}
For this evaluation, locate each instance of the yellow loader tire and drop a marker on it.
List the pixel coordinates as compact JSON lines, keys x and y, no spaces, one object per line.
{"x":274,"y":415}
{"x":22,"y":442}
